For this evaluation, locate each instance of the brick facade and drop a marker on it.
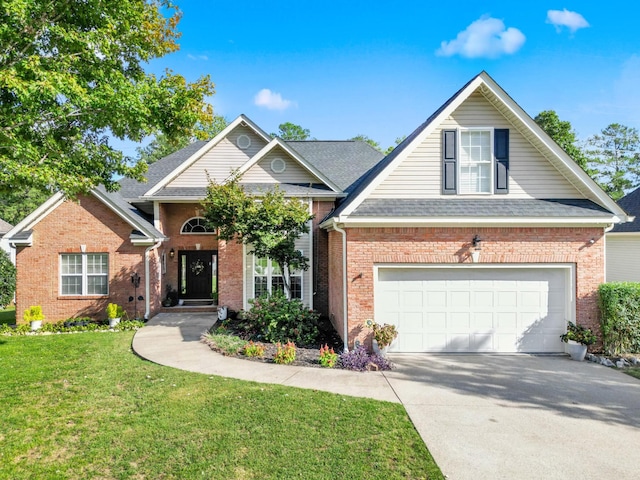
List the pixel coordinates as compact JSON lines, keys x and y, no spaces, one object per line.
{"x":320,"y":258}
{"x":86,"y":222}
{"x":367,"y":247}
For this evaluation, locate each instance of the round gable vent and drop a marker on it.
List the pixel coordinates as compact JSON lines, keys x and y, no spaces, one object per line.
{"x":278,"y":165}
{"x":243,"y":142}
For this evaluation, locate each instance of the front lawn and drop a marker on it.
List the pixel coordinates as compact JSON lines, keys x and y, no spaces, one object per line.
{"x":84,"y":406}
{"x":633,"y":371}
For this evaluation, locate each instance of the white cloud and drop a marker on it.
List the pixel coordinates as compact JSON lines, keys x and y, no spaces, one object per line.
{"x":197,"y":57}
{"x":564,"y":18}
{"x":486,"y":37}
{"x":271,"y":100}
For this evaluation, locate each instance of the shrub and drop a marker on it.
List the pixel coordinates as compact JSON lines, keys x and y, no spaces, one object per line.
{"x":33,"y":314}
{"x":359,"y":359}
{"x":620,"y":317}
{"x":275,"y":318}
{"x":580,"y":334}
{"x":328,"y":357}
{"x":285,"y":354}
{"x":7,"y":279}
{"x":252,"y":349}
{"x":224,"y":343}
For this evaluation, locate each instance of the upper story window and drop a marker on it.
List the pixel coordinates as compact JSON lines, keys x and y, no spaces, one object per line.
{"x":475,"y":161}
{"x":84,"y":274}
{"x":196,"y":225}
{"x":267,"y":278}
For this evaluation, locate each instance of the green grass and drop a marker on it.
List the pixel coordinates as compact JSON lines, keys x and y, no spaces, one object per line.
{"x":84,"y":406}
{"x":633,"y":371}
{"x":8,"y":316}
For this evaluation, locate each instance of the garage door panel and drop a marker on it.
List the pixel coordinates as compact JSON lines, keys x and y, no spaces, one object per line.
{"x":474,"y":310}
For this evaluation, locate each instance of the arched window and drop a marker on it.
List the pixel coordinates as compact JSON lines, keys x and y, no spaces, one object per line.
{"x":196,"y":225}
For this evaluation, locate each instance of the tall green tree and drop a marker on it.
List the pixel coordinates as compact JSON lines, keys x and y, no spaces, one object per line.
{"x":268,"y":225}
{"x":20,"y":202}
{"x":614,"y":156}
{"x":7,"y":279}
{"x":291,"y":132}
{"x":162,"y":145}
{"x":72,"y":77}
{"x":563,"y":134}
{"x":363,"y":138}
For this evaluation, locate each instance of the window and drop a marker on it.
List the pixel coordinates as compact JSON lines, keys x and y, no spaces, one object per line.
{"x":84,"y":274}
{"x":475,"y":161}
{"x":196,"y":225}
{"x":268,"y":278}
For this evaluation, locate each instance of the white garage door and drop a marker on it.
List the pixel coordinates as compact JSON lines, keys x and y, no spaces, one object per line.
{"x":474,"y":309}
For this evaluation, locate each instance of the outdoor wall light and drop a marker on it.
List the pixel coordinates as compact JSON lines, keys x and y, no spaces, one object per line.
{"x":476,"y":242}
{"x":172,"y":253}
{"x":475,"y":253}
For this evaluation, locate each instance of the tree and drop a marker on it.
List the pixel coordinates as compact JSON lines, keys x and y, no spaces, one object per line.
{"x":72,"y":78}
{"x":366,"y":139}
{"x":615,"y":159}
{"x":269,"y":226}
{"x":162,"y":145}
{"x":398,"y":141}
{"x":290,"y":132}
{"x":562,"y":133}
{"x":7,"y":279}
{"x":20,"y":202}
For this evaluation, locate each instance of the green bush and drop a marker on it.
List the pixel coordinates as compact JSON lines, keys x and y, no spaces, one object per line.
{"x":620,"y":317}
{"x":275,"y":319}
{"x":285,"y":354}
{"x":7,"y":279}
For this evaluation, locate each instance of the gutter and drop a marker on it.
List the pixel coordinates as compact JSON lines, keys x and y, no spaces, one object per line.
{"x":345,"y":323}
{"x":147,"y":280}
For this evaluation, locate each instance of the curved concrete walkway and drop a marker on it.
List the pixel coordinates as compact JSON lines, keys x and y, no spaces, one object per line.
{"x":481,"y":416}
{"x":174,"y":340}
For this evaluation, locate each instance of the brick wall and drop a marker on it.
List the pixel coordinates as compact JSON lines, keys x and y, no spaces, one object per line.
{"x":369,"y":246}
{"x":84,"y":222}
{"x":335,"y":272}
{"x":320,"y":258}
{"x":230,"y":274}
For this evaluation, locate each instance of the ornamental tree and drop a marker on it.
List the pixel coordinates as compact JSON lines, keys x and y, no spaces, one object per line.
{"x":269,"y":223}
{"x":72,"y":79}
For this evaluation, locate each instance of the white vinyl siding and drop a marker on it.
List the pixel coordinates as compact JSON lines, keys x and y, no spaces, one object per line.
{"x":84,"y":274}
{"x":293,"y":172}
{"x":531,"y":175}
{"x":622,"y":257}
{"x":220,"y":161}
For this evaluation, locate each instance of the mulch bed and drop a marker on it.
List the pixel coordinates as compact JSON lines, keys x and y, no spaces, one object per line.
{"x":306,"y":355}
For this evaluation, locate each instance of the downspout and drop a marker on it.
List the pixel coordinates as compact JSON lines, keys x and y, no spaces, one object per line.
{"x":147,"y":280}
{"x":345,"y":333}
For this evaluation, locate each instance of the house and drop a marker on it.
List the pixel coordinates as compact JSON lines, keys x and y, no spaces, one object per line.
{"x":623,"y":241}
{"x":5,"y":227}
{"x":476,"y":234}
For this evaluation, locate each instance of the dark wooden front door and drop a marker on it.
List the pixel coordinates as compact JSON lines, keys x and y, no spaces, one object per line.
{"x":197,"y":273}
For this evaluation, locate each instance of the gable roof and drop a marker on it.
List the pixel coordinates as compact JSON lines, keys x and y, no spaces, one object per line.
{"x":631,"y":204}
{"x":143,"y":232}
{"x":517,"y":116}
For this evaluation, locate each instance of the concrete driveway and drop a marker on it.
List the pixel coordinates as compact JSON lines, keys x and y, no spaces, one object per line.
{"x":522,"y":417}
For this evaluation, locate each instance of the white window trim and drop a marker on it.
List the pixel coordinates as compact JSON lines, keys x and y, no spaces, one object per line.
{"x":182,"y":232}
{"x":84,"y":275}
{"x":269,"y":275}
{"x":491,"y":159}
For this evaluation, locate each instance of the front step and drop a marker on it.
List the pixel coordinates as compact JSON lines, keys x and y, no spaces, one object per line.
{"x":193,"y":305}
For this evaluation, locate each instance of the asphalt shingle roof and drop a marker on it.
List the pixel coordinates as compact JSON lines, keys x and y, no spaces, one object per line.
{"x":631,"y":204}
{"x":253,"y":188}
{"x":4,"y":227}
{"x":490,"y":207}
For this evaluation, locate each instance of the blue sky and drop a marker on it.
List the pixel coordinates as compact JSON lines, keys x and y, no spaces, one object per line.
{"x":375,"y":68}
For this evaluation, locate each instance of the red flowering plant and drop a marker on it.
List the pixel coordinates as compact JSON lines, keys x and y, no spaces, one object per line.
{"x":328,"y":358}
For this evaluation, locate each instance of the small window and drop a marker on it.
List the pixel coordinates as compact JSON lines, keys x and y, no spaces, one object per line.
{"x":84,"y":274}
{"x":475,"y":161}
{"x":243,"y":142}
{"x":278,"y":165}
{"x":196,"y":226}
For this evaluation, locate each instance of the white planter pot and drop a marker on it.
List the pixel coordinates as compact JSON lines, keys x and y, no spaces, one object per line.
{"x":36,"y":325}
{"x":377,"y":349}
{"x":576,"y":350}
{"x":113,"y":322}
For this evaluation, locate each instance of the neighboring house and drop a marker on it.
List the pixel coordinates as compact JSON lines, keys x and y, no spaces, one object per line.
{"x":477,"y":233}
{"x":5,"y":227}
{"x":623,"y":243}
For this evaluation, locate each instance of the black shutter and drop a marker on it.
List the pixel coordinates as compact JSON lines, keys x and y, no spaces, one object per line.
{"x":449,"y":162}
{"x":501,"y":151}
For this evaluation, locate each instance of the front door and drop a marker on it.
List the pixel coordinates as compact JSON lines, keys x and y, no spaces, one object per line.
{"x":198,"y":274}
